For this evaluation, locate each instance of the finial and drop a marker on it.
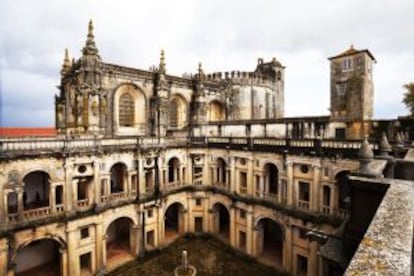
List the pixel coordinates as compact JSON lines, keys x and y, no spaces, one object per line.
{"x":90,"y":47}
{"x":352,"y":46}
{"x":162,"y":62}
{"x":398,"y":139}
{"x":384,"y":145}
{"x":365,"y":153}
{"x":90,"y":28}
{"x":66,"y":63}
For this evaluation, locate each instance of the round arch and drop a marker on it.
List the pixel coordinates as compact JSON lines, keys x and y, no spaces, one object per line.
{"x":178,"y":111}
{"x":44,"y":253}
{"x":119,"y":175}
{"x":120,"y":241}
{"x":174,"y":221}
{"x":216,"y":111}
{"x":270,"y":237}
{"x":221,"y":220}
{"x":132,"y":113}
{"x":36,"y":189}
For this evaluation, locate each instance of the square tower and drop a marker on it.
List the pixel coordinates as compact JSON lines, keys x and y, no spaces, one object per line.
{"x":352,"y":88}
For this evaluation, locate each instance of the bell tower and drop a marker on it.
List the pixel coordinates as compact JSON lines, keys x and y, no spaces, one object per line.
{"x":352,"y":89}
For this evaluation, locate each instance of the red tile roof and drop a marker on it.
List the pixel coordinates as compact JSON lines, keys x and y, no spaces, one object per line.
{"x":352,"y":51}
{"x":27,"y":131}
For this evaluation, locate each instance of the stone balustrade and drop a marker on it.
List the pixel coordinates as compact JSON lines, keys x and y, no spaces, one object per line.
{"x":303,"y":204}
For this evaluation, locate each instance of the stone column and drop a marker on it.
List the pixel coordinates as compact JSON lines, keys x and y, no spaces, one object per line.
{"x":315,"y":199}
{"x":99,"y":245}
{"x":261,"y":186}
{"x":233,"y":227}
{"x":287,"y":249}
{"x":4,"y":249}
{"x":20,"y":205}
{"x":52,"y":197}
{"x":96,"y":182}
{"x":249,"y":232}
{"x":250,"y":178}
{"x":141,"y":178}
{"x":334,"y":198}
{"x":233,"y":180}
{"x":290,"y":189}
{"x":63,"y":261}
{"x":207,"y":177}
{"x":129,"y":183}
{"x":4,"y":212}
{"x":103,"y":263}
{"x":69,"y":194}
{"x":134,"y":239}
{"x":313,"y":259}
{"x":73,"y":258}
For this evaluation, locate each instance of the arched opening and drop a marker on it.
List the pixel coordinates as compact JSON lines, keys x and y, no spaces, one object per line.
{"x":129,"y":110}
{"x":126,"y":110}
{"x":119,"y":174}
{"x":40,"y":257}
{"x":221,"y":172}
{"x":173,"y":221}
{"x":12,"y":203}
{"x":118,"y":241}
{"x":178,"y":112}
{"x":344,"y":190}
{"x":217,"y":111}
{"x":173,"y":170}
{"x":36,"y":190}
{"x":221,"y":221}
{"x":271,"y":179}
{"x":270,"y":241}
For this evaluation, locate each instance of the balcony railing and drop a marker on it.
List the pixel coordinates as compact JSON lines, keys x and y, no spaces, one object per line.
{"x":13,"y":217}
{"x":36,"y":213}
{"x":303,"y":204}
{"x":117,"y":196}
{"x":326,"y":209}
{"x":83,"y":203}
{"x":270,"y":143}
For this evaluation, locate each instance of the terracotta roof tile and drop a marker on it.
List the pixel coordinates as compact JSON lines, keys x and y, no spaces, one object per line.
{"x":27,"y":132}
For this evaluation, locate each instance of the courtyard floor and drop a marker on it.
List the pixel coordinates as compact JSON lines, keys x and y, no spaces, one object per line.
{"x":208,"y":255}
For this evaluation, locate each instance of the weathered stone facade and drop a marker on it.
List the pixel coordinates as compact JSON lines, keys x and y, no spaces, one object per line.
{"x":90,"y":92}
{"x":143,"y":157}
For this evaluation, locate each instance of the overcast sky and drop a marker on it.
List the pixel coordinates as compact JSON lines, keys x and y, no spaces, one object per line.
{"x":223,"y":35}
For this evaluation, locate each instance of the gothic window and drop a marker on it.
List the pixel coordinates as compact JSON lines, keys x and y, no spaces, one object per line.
{"x":174,"y":109}
{"x":126,"y":110}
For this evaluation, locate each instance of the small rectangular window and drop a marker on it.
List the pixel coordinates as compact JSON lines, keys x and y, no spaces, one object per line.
{"x":150,"y":238}
{"x":84,"y":232}
{"x":198,"y":201}
{"x":242,"y":214}
{"x":150,"y":213}
{"x":302,"y":265}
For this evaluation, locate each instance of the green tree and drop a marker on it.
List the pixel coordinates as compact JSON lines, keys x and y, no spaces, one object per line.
{"x":408,"y":98}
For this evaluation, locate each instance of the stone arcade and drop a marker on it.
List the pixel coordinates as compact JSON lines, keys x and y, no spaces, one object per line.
{"x":142,"y":157}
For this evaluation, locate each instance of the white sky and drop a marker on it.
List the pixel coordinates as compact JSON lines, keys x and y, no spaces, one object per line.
{"x":223,"y":35}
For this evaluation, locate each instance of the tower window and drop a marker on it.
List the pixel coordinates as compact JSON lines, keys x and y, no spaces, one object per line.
{"x":126,"y":110}
{"x":347,"y":64}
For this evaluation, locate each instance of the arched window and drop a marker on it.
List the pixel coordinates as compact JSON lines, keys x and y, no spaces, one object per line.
{"x":126,"y":110}
{"x":174,"y":110}
{"x":216,"y":111}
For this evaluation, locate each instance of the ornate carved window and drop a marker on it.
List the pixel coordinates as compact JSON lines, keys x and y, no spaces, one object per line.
{"x":126,"y":110}
{"x":174,"y":109}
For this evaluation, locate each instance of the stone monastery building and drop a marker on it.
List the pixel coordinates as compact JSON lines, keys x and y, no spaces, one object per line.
{"x":142,"y":157}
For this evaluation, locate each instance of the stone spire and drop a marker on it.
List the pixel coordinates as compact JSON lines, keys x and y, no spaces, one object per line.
{"x":162,"y":69}
{"x":90,"y":46}
{"x":66,"y":63}
{"x":162,"y":81}
{"x":384,"y":146}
